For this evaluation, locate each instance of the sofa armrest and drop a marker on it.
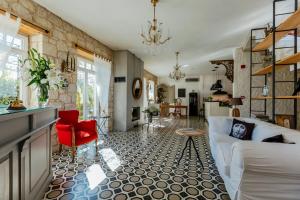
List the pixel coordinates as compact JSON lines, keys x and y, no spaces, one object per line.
{"x":220,"y":125}
{"x":276,"y":159}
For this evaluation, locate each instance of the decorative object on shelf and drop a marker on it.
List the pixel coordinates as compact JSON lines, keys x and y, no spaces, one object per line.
{"x":137,"y":88}
{"x":297,"y":88}
{"x":265,"y":91}
{"x":16,"y":105}
{"x":228,"y":64}
{"x":287,"y":121}
{"x":267,"y":58}
{"x":269,"y":29}
{"x":177,"y":74}
{"x":153,"y":36}
{"x":41,"y":73}
{"x":236,"y":102}
{"x":69,"y":64}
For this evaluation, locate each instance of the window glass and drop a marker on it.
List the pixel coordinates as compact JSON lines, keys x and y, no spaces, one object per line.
{"x":86,"y":84}
{"x":10,"y":81}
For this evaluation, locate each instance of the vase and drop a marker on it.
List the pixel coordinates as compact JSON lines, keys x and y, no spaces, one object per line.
{"x":265,"y":91}
{"x":150,"y":118}
{"x":42,"y":94}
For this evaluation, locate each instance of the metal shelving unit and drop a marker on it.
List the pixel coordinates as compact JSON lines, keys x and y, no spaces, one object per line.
{"x":288,"y":26}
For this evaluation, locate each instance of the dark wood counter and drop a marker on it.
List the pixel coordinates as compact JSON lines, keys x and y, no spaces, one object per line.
{"x":25,"y":152}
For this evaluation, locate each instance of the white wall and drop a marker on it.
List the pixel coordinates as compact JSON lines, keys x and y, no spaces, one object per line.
{"x":202,"y":87}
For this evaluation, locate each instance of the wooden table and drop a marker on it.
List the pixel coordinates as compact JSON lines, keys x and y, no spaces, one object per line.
{"x":190,"y":132}
{"x":168,"y":106}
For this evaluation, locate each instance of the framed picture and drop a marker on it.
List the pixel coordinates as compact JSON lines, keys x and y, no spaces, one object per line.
{"x":286,"y":121}
{"x":181,"y":93}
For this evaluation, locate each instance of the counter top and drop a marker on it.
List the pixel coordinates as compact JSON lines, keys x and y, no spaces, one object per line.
{"x":9,"y":114}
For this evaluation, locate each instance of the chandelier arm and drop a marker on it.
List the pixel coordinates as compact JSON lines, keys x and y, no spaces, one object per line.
{"x":164,"y":41}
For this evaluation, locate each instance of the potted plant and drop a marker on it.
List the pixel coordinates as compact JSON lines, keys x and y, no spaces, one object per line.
{"x":41,"y":73}
{"x":151,"y":111}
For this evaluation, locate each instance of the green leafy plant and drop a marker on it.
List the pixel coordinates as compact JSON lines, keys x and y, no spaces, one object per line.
{"x":41,"y":73}
{"x":152,"y":110}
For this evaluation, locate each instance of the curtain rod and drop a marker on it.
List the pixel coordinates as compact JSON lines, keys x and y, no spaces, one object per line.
{"x":25,"y":22}
{"x":91,"y":53}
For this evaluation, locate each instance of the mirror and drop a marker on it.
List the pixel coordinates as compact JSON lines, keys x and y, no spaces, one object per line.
{"x":137,"y":88}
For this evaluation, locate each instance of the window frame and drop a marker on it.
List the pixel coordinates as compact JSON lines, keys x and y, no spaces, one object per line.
{"x":86,"y":72}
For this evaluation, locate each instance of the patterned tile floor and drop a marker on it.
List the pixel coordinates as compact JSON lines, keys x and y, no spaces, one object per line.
{"x":138,"y":165}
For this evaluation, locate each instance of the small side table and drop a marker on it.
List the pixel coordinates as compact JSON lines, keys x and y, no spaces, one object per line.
{"x":189,"y":132}
{"x":101,"y":122}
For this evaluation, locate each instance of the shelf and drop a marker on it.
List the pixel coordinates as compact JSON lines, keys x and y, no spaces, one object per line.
{"x":279,"y":64}
{"x":278,"y":97}
{"x":290,"y":23}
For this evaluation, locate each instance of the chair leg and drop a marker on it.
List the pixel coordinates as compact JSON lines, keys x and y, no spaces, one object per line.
{"x":97,"y":153}
{"x":60,"y":148}
{"x":73,"y":153}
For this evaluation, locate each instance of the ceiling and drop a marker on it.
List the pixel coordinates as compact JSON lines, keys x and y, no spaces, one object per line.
{"x":201,"y":30}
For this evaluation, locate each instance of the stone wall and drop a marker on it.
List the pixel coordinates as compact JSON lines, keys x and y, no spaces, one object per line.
{"x":62,"y":37}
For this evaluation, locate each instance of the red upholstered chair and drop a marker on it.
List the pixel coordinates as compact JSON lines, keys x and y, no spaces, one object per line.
{"x":74,"y":133}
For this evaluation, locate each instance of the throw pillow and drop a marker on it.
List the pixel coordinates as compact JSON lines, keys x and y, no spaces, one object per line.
{"x":242,"y":130}
{"x":275,"y":139}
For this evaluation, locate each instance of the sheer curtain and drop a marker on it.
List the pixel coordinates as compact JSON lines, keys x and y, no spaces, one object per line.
{"x":8,"y":30}
{"x":103,"y":75}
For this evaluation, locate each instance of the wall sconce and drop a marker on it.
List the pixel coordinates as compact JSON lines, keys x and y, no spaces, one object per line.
{"x":65,"y":84}
{"x":68,"y":65}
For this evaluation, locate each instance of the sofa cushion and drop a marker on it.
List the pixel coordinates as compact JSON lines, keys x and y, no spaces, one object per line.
{"x":242,"y":130}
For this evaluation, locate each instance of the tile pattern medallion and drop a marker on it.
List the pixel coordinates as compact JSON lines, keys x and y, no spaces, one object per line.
{"x":138,"y":165}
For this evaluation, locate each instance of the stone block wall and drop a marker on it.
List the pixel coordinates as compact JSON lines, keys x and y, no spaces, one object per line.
{"x":62,"y":37}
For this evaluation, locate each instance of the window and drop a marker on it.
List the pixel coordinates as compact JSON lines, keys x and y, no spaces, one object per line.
{"x":151,"y":90}
{"x":86,"y":92}
{"x":11,"y":85}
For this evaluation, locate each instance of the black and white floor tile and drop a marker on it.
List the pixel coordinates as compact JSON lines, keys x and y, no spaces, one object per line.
{"x":138,"y":165}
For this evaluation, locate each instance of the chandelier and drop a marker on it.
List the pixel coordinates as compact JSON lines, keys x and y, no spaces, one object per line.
{"x":177,"y":74}
{"x":154,"y":34}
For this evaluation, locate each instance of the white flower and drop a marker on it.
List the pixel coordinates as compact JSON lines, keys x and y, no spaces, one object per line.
{"x":52,"y":65}
{"x":47,"y":72}
{"x":25,"y":74}
{"x":43,"y":81}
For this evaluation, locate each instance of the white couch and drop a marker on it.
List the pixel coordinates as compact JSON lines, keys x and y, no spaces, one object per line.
{"x":255,"y":170}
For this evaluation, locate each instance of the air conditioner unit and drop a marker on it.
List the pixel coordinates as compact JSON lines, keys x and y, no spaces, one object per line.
{"x":192,"y":80}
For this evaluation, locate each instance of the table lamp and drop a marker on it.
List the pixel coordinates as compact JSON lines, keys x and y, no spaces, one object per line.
{"x":236,"y":102}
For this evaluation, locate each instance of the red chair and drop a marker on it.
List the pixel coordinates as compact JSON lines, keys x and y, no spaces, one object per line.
{"x":74,"y":133}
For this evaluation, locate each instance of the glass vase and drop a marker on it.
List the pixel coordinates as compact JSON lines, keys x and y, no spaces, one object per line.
{"x":42,"y":97}
{"x":265,"y":91}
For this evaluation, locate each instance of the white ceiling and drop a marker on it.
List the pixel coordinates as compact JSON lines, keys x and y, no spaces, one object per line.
{"x":201,"y":30}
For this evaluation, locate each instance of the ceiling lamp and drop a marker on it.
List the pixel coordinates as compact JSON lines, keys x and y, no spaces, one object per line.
{"x":177,"y":74}
{"x":154,"y":34}
{"x":218,"y":85}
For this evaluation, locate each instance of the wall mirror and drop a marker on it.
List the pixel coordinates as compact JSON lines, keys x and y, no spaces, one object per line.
{"x":137,"y":88}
